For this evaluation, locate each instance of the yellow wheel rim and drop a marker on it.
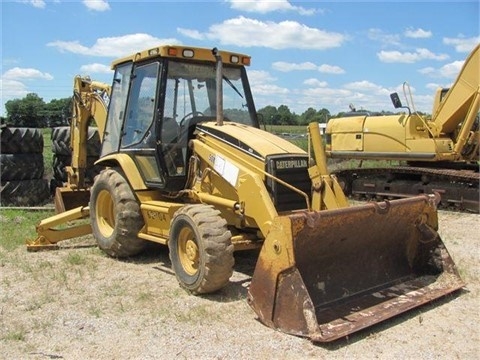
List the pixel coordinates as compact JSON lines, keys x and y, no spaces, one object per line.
{"x":104,"y":213}
{"x":188,"y":251}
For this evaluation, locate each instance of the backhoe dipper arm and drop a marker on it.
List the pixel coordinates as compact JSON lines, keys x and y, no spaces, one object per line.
{"x":88,"y":102}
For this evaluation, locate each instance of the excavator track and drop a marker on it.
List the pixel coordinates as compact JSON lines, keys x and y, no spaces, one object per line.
{"x":458,"y":189}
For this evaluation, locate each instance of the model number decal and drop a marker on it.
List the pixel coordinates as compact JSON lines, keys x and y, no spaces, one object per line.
{"x":155,"y":215}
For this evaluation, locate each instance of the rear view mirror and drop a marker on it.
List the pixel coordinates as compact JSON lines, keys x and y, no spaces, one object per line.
{"x":397,"y":103}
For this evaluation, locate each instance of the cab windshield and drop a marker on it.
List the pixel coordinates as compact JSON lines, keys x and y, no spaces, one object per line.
{"x":191,"y":92}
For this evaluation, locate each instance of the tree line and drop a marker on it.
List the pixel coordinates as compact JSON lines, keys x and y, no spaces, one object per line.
{"x":32,"y":111}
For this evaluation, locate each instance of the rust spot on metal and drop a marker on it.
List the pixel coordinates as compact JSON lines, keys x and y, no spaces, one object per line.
{"x":352,"y":268}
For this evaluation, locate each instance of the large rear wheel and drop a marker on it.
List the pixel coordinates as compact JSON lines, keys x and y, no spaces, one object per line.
{"x":115,"y":215}
{"x":201,"y":250}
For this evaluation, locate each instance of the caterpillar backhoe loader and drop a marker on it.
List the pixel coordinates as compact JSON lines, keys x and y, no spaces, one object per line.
{"x":442,"y":153}
{"x":187,"y":165}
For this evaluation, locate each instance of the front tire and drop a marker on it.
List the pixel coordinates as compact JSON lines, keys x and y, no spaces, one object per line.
{"x":115,"y":215}
{"x":201,"y":250}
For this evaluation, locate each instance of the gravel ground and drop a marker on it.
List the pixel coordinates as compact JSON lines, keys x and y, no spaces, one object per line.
{"x":80,"y":304}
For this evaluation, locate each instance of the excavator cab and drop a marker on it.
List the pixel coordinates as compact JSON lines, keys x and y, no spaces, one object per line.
{"x":155,"y":107}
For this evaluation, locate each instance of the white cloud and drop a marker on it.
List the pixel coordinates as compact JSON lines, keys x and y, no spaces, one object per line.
{"x":427,"y":70}
{"x":95,"y":68}
{"x":449,"y":71}
{"x":259,"y":77}
{"x":324,"y":68}
{"x":432,"y":86}
{"x":330,"y":69}
{"x":13,"y":81}
{"x":315,"y":83}
{"x":287,"y":67}
{"x":417,"y":33}
{"x":368,"y":87}
{"x":268,"y":90}
{"x":246,"y":32}
{"x":17,"y":73}
{"x":462,"y":44}
{"x":12,"y":89}
{"x":193,"y":34}
{"x":266,"y":6}
{"x":323,"y":91}
{"x":96,"y":5}
{"x":385,"y":38}
{"x":264,"y":87}
{"x":40,"y":4}
{"x":409,"y":57}
{"x":113,"y":46}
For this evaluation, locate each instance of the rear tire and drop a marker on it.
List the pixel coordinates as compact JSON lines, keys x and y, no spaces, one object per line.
{"x":61,"y":141}
{"x":115,"y":215}
{"x":201,"y":250}
{"x":21,"y":166}
{"x":21,"y":140}
{"x":33,"y":192}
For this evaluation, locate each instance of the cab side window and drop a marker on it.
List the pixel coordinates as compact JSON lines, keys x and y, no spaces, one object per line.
{"x":141,"y":107}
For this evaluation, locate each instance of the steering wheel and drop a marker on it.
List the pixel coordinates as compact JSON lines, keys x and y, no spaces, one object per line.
{"x":190,"y":115}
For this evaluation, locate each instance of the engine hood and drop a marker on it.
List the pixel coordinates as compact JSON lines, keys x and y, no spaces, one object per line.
{"x":255,"y":141}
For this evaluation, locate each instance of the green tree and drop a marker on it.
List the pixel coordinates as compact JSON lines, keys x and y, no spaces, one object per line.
{"x":286,"y":116}
{"x":270,"y":115}
{"x":58,"y":112}
{"x":308,"y":116}
{"x":323,"y":115}
{"x":26,"y":112}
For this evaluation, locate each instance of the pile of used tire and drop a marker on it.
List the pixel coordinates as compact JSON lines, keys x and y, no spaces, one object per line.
{"x":62,"y":155}
{"x":22,"y":169}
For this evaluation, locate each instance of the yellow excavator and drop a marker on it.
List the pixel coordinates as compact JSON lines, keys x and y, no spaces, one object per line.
{"x":440,"y":154}
{"x":186,"y":164}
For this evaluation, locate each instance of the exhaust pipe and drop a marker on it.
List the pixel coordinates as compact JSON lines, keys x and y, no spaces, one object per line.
{"x":219,"y":83}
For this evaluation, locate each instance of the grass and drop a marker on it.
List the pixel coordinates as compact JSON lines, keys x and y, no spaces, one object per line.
{"x":17,"y":226}
{"x":16,"y":335}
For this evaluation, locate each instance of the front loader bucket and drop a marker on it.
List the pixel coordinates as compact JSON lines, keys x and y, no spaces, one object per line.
{"x":324,"y":275}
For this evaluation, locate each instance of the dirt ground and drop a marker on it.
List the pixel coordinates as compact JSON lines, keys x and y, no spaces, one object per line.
{"x":81,"y":304}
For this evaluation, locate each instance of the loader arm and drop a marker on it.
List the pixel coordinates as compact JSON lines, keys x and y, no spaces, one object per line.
{"x":327,"y":193}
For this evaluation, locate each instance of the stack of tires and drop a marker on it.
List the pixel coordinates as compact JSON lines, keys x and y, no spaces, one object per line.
{"x":22,"y":169}
{"x":62,"y":155}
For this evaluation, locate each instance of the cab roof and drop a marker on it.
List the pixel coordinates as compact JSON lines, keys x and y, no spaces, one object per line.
{"x":185,"y":52}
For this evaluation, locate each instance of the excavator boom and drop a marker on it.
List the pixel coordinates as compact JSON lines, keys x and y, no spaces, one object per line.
{"x":437,"y":155}
{"x":461,"y":103}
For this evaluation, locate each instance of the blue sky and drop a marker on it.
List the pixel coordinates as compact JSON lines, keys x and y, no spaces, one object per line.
{"x":319,"y":54}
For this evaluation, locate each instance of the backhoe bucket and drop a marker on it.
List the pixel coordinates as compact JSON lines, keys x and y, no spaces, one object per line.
{"x":324,"y":275}
{"x":66,"y":198}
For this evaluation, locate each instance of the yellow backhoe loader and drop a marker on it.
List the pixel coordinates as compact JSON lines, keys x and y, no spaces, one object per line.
{"x":441,"y":153}
{"x":187,"y":165}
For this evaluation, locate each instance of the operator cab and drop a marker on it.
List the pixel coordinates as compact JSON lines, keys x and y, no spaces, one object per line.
{"x":156,"y":104}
